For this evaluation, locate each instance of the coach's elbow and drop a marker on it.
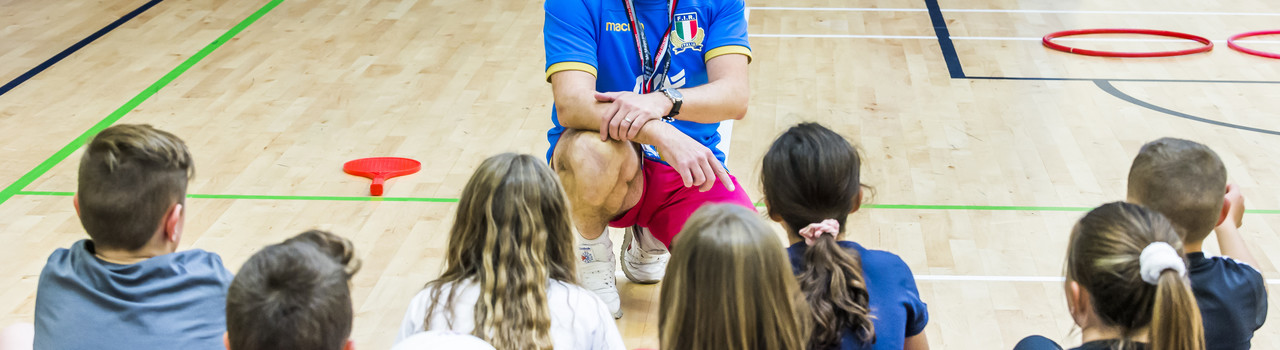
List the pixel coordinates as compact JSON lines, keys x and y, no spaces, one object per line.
{"x":738,"y":107}
{"x":570,"y":114}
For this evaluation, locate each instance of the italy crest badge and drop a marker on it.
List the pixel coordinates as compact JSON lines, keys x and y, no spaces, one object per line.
{"x":685,"y":33}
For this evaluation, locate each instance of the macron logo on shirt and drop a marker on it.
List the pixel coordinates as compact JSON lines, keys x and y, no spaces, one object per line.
{"x":619,"y":27}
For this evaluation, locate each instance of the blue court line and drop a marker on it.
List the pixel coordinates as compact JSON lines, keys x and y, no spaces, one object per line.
{"x":76,"y":47}
{"x":944,"y":40}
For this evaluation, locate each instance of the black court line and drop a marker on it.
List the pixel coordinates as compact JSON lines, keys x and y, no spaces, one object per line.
{"x":944,"y":40}
{"x":1105,"y":85}
{"x":76,"y":47}
{"x":957,"y":72}
{"x":1131,"y":80}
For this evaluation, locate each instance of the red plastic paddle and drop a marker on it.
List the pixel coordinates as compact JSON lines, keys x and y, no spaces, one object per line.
{"x":380,"y":169}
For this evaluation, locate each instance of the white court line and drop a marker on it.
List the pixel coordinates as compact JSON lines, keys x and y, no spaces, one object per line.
{"x":988,"y":278}
{"x":960,"y":278}
{"x":843,"y":36}
{"x":845,"y":9}
{"x":992,"y":38}
{"x":873,"y":9}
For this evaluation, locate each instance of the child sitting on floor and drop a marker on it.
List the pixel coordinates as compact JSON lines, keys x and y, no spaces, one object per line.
{"x":125,"y":287}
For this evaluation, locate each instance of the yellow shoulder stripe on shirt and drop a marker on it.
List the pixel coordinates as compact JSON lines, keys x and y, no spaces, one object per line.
{"x":728,"y":49}
{"x":564,"y":66}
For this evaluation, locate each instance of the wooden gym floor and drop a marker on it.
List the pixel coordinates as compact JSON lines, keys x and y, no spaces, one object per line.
{"x":983,"y":146}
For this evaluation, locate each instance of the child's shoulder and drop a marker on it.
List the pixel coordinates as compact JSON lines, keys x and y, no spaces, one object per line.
{"x":194,"y":263}
{"x":1220,"y":270}
{"x":879,"y":259}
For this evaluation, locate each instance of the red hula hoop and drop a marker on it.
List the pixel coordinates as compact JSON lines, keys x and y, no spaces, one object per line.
{"x":1231,"y":42}
{"x":1048,"y":42}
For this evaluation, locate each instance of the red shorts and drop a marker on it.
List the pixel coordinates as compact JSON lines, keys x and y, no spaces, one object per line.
{"x":665,"y":203}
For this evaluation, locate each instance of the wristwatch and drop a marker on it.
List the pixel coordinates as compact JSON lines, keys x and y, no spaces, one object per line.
{"x":677,"y":99}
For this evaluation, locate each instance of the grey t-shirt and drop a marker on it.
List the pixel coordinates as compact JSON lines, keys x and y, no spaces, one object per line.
{"x":173,"y":301}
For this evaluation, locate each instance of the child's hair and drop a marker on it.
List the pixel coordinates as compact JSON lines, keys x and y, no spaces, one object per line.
{"x":1103,"y":257}
{"x":811,"y":174}
{"x":512,"y":234}
{"x":729,"y":286}
{"x":1183,"y":180}
{"x":130,"y":175}
{"x":294,"y":295}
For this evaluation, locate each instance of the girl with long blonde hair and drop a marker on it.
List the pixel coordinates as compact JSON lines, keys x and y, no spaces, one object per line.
{"x":728,"y":287}
{"x":509,"y":268}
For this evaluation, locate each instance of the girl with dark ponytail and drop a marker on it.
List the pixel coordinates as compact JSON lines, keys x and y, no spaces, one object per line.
{"x":1127,"y":284}
{"x":859,"y":298}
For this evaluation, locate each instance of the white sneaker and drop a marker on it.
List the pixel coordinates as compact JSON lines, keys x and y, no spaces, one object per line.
{"x":644,"y":258}
{"x":596,"y":272}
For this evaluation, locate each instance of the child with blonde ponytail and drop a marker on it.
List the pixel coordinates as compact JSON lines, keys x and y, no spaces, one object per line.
{"x":1127,"y":284}
{"x":859,"y":298}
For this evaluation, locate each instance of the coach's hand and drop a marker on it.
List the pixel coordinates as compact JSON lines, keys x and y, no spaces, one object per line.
{"x":628,"y":112}
{"x":694,"y":162}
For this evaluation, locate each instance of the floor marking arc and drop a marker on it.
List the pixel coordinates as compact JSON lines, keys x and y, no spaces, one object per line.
{"x":1087,"y":12}
{"x":1111,"y":89}
{"x":990,"y":38}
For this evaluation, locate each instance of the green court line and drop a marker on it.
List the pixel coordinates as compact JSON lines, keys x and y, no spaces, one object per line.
{"x":66,"y":151}
{"x":455,"y":200}
{"x":974,"y":207}
{"x":325,"y":198}
{"x":45,"y":193}
{"x":270,"y":198}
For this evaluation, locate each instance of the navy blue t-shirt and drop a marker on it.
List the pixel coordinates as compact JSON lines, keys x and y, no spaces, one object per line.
{"x":895,"y":302}
{"x":1036,"y":342}
{"x":1233,"y":300}
{"x":172,"y":301}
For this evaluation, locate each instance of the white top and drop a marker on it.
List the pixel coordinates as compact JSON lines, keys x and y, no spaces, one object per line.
{"x":579,"y":320}
{"x":442,"y":340}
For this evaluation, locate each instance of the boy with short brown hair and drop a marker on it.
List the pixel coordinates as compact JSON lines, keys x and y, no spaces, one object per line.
{"x":1186,"y":182}
{"x":294,"y":295}
{"x":125,"y":287}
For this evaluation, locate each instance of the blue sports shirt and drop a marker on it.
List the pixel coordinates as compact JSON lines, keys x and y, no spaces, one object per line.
{"x":1232,"y":297}
{"x":172,"y":301}
{"x":895,"y":302}
{"x":594,"y":36}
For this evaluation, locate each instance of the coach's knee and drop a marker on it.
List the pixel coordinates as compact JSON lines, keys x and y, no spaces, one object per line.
{"x":582,"y":152}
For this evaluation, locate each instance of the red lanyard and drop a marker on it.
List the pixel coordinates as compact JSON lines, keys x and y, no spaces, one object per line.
{"x":657,"y":66}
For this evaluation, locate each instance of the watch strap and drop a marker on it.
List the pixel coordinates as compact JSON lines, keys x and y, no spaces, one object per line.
{"x":677,"y":99}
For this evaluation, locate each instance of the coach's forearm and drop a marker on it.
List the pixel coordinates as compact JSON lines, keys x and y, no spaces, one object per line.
{"x":717,"y":101}
{"x":723,"y":97}
{"x":656,"y":133}
{"x":580,"y":111}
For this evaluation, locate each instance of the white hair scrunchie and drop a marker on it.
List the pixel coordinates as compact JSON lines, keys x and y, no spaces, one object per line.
{"x":1157,"y":257}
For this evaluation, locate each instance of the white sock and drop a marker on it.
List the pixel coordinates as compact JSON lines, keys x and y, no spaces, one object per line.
{"x":603,"y":239}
